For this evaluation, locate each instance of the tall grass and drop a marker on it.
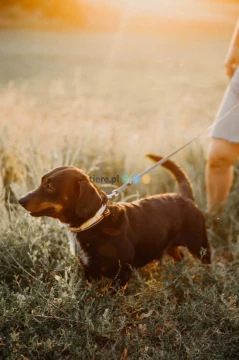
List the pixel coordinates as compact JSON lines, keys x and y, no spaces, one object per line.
{"x":183,"y":311}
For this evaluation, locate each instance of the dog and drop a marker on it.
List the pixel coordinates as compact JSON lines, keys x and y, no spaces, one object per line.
{"x":113,"y":238}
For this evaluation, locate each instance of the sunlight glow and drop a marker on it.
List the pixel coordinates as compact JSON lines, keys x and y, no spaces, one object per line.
{"x":171,"y":9}
{"x":129,"y":5}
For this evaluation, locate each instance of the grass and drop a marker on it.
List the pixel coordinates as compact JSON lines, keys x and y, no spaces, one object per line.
{"x":183,"y":311}
{"x":104,"y":114}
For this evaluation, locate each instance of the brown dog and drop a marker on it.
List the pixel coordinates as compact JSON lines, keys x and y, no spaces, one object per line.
{"x":112,"y":238}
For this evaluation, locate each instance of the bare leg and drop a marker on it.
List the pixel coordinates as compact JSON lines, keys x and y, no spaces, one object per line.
{"x":222,"y":155}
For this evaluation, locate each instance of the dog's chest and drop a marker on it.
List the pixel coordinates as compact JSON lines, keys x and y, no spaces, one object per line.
{"x":77,"y":249}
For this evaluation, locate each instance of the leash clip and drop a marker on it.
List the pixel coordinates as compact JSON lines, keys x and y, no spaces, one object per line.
{"x":114,"y":193}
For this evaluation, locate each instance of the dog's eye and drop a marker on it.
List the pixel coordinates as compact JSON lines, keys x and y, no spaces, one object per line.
{"x":49,"y":187}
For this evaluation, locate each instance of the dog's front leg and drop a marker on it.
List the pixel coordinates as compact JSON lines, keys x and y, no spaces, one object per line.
{"x":92,"y":273}
{"x":122,"y":278}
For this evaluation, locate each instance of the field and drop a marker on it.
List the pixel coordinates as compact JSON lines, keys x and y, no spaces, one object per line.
{"x":101,"y":102}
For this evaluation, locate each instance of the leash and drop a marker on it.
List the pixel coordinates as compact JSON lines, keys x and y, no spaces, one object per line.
{"x":116,"y":192}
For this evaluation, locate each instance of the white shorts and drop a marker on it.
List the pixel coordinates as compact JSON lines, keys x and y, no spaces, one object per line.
{"x":226,"y":125}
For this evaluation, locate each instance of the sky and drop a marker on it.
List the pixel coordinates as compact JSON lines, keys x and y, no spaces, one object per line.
{"x":160,"y":6}
{"x":179,"y":9}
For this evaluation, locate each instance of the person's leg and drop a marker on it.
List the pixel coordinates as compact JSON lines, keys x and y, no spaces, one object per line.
{"x":222,"y":155}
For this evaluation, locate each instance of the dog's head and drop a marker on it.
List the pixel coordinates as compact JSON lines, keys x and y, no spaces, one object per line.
{"x":65,"y":193}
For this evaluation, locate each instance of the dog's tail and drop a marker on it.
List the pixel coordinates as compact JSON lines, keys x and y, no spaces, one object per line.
{"x":185,"y":188}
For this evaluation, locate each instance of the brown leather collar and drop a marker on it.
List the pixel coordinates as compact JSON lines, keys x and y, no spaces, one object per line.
{"x":101,"y":213}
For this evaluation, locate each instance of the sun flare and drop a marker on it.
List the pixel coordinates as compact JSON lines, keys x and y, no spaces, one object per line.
{"x":171,"y":9}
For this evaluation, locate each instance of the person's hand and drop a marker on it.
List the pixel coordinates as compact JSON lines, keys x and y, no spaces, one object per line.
{"x":232,"y":61}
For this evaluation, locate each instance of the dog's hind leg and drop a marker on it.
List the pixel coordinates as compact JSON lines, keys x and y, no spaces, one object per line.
{"x":198,"y":246}
{"x":174,"y":248}
{"x":175,"y":252}
{"x":195,"y":235}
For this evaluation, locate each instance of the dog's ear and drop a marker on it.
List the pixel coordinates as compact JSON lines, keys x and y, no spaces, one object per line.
{"x":89,"y":200}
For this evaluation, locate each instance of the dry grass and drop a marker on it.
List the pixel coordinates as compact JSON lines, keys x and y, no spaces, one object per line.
{"x":115,"y":102}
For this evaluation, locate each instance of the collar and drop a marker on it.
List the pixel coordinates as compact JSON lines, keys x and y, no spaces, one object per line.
{"x":92,"y":221}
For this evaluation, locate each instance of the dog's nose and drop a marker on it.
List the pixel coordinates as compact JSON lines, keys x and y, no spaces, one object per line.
{"x":22,"y":201}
